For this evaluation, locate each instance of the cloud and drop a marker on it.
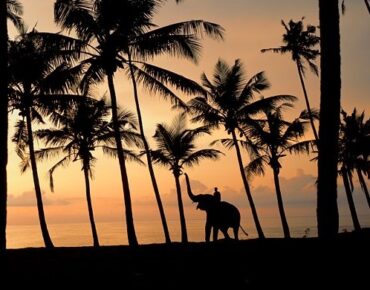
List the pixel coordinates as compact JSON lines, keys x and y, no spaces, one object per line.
{"x":28,"y":199}
{"x":299,"y":190}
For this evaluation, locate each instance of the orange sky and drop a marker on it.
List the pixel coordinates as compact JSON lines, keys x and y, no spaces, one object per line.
{"x":250,"y":26}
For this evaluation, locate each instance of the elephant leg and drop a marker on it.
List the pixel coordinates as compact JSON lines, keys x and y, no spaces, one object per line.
{"x":215,"y":233}
{"x":226,"y":234}
{"x":236,"y":231}
{"x":208,"y":231}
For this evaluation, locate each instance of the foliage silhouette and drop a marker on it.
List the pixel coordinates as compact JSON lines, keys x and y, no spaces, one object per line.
{"x":301,"y":43}
{"x":115,"y":28}
{"x":36,"y":92}
{"x":229,"y":102}
{"x":176,"y":150}
{"x":82,"y":128}
{"x":272,"y":138}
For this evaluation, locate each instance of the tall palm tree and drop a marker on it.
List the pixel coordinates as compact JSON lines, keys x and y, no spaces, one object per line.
{"x":327,"y":206}
{"x":82,"y":129}
{"x":32,"y":91}
{"x":13,"y":10}
{"x":272,"y":139}
{"x":121,"y":31}
{"x":229,"y":101}
{"x":301,"y":43}
{"x":176,"y":150}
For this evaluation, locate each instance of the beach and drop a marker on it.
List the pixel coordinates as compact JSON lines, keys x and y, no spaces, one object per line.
{"x":254,"y":264}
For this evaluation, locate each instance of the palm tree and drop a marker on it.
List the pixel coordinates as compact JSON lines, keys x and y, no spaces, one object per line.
{"x":301,"y":43}
{"x":32,"y":92}
{"x":176,"y":149}
{"x":228,"y":101}
{"x":354,"y":142}
{"x":83,"y":128}
{"x":121,"y":28}
{"x":327,"y":206}
{"x":272,"y":139}
{"x":10,"y":9}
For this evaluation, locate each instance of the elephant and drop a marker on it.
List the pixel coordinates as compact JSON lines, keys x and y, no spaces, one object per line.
{"x":221,"y":215}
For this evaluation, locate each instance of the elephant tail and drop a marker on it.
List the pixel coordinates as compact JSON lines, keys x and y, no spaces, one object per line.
{"x":245,"y":233}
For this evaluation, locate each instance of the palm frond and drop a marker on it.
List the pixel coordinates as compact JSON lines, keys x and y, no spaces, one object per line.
{"x":302,"y":147}
{"x":155,"y":86}
{"x":167,"y":77}
{"x":63,"y":162}
{"x":256,"y":166}
{"x":128,"y":154}
{"x":160,"y":158}
{"x":76,"y":14}
{"x":14,"y":13}
{"x":197,"y":156}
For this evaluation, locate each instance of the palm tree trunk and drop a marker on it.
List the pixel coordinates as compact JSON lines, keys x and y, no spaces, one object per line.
{"x":89,"y":206}
{"x":131,"y":235}
{"x":363,"y":186}
{"x":148,"y":157}
{"x":40,"y":206}
{"x":184,"y":234}
{"x":327,"y":206}
{"x":247,"y":188}
{"x":351,"y":203}
{"x":367,"y":5}
{"x":3,"y":121}
{"x":299,"y":68}
{"x":279,"y":196}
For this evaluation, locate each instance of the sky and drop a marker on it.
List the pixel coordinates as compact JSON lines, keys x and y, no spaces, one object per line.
{"x":250,"y":25}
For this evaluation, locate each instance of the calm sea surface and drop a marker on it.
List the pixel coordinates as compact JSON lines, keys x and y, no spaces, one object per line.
{"x":148,"y":232}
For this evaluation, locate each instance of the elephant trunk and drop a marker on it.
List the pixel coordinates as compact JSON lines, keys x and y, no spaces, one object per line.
{"x":193,"y":197}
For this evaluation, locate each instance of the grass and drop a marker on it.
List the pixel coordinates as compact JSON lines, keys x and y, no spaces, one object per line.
{"x":273,"y":263}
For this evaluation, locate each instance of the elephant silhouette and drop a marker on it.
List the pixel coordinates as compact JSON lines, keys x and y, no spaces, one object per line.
{"x":221,"y":215}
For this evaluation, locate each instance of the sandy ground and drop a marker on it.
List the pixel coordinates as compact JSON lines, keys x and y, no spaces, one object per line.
{"x":253,"y":264}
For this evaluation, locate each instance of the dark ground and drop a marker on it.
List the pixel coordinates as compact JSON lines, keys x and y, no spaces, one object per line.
{"x":309,"y":263}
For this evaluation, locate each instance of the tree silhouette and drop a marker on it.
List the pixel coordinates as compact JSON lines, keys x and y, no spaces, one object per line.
{"x":172,"y":40}
{"x":32,"y":92}
{"x":176,"y":150}
{"x":107,"y":24}
{"x":354,"y":144}
{"x":327,"y":206}
{"x":273,"y":138}
{"x":13,"y":10}
{"x":229,"y":101}
{"x":301,"y":43}
{"x":82,"y":128}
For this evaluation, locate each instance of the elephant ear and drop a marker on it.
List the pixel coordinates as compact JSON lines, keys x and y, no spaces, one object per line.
{"x":206,"y":201}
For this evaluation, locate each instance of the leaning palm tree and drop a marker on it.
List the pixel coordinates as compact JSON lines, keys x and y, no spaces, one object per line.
{"x":229,"y":101}
{"x":176,"y":150}
{"x":82,"y":128}
{"x":13,"y":10}
{"x":33,"y":91}
{"x":355,"y":147}
{"x":123,"y":31}
{"x":354,"y":142}
{"x":273,"y":138}
{"x":301,"y":43}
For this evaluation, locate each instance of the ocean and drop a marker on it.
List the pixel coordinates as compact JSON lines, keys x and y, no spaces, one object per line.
{"x":148,"y":232}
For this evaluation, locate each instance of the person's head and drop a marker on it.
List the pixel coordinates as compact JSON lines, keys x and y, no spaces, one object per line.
{"x":217,"y":194}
